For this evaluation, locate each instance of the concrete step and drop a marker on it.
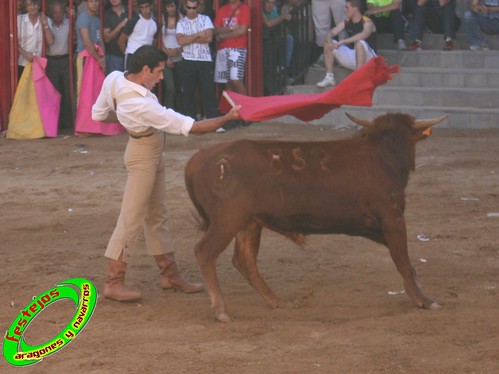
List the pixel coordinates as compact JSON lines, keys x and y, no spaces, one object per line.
{"x":440,"y":59}
{"x":462,"y":84}
{"x":443,"y":59}
{"x":458,"y":117}
{"x":445,"y":77}
{"x":435,"y":41}
{"x":437,"y":96}
{"x":424,"y":77}
{"x":481,"y":98}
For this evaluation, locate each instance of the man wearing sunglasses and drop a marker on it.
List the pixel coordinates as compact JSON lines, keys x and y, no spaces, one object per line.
{"x":194,"y":34}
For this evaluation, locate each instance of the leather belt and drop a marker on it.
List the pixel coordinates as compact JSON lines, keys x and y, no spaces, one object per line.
{"x":144,"y":134}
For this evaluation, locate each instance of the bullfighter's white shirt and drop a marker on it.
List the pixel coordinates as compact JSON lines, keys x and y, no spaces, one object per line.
{"x":140,"y":112}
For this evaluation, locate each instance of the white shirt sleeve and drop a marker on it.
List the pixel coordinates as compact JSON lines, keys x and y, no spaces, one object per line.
{"x":180,"y":28}
{"x":148,"y":110}
{"x":102,"y":106}
{"x":140,"y":111}
{"x":209,"y":24}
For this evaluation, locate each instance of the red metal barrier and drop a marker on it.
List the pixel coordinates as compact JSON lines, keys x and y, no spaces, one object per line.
{"x":72,"y":16}
{"x":254,"y":80}
{"x":8,"y":58}
{"x":159,"y":43}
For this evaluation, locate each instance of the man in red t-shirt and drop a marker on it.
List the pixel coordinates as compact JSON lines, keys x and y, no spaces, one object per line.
{"x":231,"y":30}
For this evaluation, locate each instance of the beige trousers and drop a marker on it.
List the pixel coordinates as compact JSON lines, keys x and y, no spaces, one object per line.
{"x":323,"y":11}
{"x":144,"y":201}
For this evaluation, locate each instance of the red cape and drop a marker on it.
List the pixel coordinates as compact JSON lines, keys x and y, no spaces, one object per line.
{"x":357,"y":89}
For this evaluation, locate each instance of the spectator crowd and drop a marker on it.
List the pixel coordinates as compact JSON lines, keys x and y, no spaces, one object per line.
{"x":207,"y":47}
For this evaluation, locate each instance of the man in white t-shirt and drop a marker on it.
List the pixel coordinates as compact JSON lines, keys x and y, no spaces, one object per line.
{"x":194,"y":34}
{"x":140,"y":30}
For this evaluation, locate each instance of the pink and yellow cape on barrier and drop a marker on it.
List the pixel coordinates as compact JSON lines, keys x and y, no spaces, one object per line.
{"x":91,"y":83}
{"x":35,"y":110}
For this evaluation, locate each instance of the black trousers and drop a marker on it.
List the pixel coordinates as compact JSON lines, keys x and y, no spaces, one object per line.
{"x":200,"y":73}
{"x":58,"y":72}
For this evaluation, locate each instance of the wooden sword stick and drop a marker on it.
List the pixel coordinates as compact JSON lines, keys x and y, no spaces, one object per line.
{"x":228,"y":98}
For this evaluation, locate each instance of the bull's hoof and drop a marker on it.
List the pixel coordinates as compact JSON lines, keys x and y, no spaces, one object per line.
{"x":223,"y":317}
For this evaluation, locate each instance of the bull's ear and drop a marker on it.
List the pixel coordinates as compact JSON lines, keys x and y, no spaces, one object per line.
{"x":421,"y":124}
{"x":360,"y":121}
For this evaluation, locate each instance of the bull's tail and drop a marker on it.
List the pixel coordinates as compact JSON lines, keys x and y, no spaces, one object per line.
{"x":199,"y":219}
{"x":200,"y":216}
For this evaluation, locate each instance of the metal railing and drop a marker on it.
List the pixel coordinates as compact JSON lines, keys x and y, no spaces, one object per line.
{"x":282,"y":66}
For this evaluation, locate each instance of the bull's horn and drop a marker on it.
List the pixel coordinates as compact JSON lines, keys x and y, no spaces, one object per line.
{"x":420,"y":124}
{"x":360,"y":121}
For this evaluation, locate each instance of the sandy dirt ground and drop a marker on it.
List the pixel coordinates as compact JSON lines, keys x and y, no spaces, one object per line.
{"x":343,"y":312}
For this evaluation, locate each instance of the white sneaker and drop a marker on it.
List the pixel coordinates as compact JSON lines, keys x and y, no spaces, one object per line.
{"x":327,"y":81}
{"x":401,"y":45}
{"x":220,"y":130}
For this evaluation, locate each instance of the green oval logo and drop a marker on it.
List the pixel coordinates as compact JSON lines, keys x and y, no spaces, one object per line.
{"x":18,"y":353}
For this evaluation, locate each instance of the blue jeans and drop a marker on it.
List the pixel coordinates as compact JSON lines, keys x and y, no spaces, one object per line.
{"x":477,"y":25}
{"x":448,"y":16}
{"x":114,"y":63}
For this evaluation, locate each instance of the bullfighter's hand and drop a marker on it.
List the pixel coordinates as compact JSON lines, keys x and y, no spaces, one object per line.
{"x":233,"y":114}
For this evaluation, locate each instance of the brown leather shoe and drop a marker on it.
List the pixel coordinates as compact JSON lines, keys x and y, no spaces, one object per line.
{"x":170,"y":276}
{"x":115,"y":288}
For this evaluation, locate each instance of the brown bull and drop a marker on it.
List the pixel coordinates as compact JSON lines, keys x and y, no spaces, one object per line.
{"x":352,"y":186}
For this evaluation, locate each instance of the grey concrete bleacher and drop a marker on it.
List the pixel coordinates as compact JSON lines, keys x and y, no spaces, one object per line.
{"x":461,"y":83}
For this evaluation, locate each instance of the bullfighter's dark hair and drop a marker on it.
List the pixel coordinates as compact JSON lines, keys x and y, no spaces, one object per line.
{"x":147,"y":55}
{"x":141,"y":2}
